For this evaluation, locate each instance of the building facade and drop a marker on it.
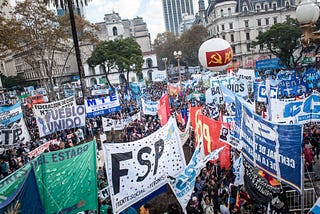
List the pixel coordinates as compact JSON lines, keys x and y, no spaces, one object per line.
{"x":173,"y":13}
{"x":240,"y":21}
{"x":114,"y":27}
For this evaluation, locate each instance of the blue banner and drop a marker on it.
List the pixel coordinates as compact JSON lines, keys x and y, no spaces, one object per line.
{"x":274,"y":63}
{"x":10,"y":114}
{"x":274,"y":148}
{"x":307,"y":110}
{"x":293,"y":87}
{"x":26,"y":199}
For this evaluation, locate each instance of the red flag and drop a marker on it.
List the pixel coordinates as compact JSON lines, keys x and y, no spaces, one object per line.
{"x":164,"y":109}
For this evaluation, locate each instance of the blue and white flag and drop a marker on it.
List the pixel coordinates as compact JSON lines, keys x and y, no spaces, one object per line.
{"x":316,"y":207}
{"x":10,"y":114}
{"x":238,"y":171}
{"x":274,"y":148}
{"x":228,"y":96}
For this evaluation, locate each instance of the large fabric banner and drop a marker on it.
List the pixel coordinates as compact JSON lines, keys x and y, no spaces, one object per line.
{"x":26,"y":199}
{"x":260,"y":92}
{"x":61,"y":119}
{"x":292,"y":112}
{"x":68,"y":179}
{"x":159,"y":76}
{"x":209,"y":129}
{"x":102,"y":105}
{"x":136,"y":169}
{"x":149,"y":107}
{"x":275,"y":148}
{"x":18,"y":133}
{"x":42,"y":148}
{"x":58,"y":176}
{"x":10,"y":114}
{"x":183,"y":184}
{"x":164,"y":109}
{"x":41,"y":109}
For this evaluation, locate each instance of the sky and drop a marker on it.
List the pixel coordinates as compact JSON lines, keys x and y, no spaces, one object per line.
{"x":149,"y":10}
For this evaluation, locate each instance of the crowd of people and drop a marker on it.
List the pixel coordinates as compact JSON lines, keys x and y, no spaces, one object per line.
{"x":214,"y":191}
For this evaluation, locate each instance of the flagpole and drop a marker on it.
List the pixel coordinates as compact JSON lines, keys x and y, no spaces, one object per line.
{"x":302,"y":175}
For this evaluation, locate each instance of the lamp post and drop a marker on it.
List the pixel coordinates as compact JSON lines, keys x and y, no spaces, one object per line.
{"x":165,"y":59}
{"x":307,"y":14}
{"x":178,"y":55}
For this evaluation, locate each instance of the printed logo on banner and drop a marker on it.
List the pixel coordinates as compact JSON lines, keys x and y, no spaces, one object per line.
{"x":61,"y":119}
{"x":18,"y":133}
{"x":102,"y":105}
{"x":267,"y":145}
{"x":136,"y":169}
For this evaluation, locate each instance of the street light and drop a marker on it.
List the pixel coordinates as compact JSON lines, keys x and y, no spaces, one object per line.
{"x":307,"y":14}
{"x":165,"y":67}
{"x":178,"y":55}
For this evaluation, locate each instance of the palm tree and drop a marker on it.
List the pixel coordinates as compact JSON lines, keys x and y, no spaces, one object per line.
{"x":70,"y":4}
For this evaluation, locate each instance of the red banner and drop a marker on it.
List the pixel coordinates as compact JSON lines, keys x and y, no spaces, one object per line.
{"x":37,"y":99}
{"x":209,"y":129}
{"x":164,"y":109}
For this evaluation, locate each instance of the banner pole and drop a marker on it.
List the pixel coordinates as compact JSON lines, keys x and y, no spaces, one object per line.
{"x":302,"y":173}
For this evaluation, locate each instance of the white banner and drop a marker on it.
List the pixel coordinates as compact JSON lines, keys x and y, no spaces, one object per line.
{"x":159,"y":76}
{"x":37,"y":151}
{"x":41,"y":109}
{"x":238,"y":171}
{"x":149,"y":107}
{"x":136,"y":169}
{"x":117,"y":125}
{"x":102,"y":105}
{"x":15,"y":135}
{"x":247,"y":74}
{"x":61,"y":119}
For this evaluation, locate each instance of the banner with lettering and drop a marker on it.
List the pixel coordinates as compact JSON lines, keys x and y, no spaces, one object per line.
{"x":138,"y":168}
{"x":42,"y":148}
{"x":36,"y":99}
{"x":293,"y":87}
{"x":159,"y":76}
{"x":274,"y":148}
{"x":67,"y":179}
{"x":260,"y":92}
{"x":247,"y":74}
{"x":61,"y":119}
{"x":10,"y":114}
{"x":149,"y":107}
{"x":209,"y":129}
{"x":16,"y":134}
{"x":58,"y":176}
{"x":41,"y":109}
{"x":102,"y":105}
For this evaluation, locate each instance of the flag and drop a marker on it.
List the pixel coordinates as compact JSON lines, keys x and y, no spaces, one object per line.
{"x":228,"y":96}
{"x":238,"y":199}
{"x":164,"y":109}
{"x":316,"y":207}
{"x":238,"y":171}
{"x":26,"y":199}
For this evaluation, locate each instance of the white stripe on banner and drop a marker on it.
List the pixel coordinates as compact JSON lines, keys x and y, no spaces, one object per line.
{"x":138,"y":168}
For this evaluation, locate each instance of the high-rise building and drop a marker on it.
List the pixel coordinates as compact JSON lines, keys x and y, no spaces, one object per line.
{"x":173,"y":11}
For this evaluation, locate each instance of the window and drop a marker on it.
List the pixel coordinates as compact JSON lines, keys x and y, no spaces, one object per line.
{"x":261,"y":47}
{"x":222,"y":27}
{"x":217,"y":29}
{"x":245,"y":9}
{"x":221,"y":12}
{"x":248,"y":36}
{"x":149,"y":63}
{"x":248,"y":47}
{"x":115,"y":31}
{"x":274,"y":5}
{"x":229,"y":11}
{"x":266,"y":7}
{"x":224,"y":37}
{"x":231,"y":26}
{"x":275,"y":20}
{"x":259,"y":22}
{"x":267,"y":21}
{"x":246,"y":23}
{"x":233,"y":49}
{"x":258,"y":8}
{"x":232,"y":38}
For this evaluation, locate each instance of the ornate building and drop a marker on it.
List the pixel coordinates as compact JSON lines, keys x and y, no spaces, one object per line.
{"x":239,"y":22}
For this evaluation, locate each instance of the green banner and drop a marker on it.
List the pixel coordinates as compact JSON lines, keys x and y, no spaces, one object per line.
{"x":67,"y":179}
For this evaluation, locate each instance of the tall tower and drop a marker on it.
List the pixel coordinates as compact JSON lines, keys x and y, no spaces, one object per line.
{"x":173,"y":11}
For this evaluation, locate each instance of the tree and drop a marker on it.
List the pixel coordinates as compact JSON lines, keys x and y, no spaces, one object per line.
{"x":70,"y":3}
{"x":190,"y":42}
{"x":283,"y":40}
{"x":121,"y":54}
{"x":39,"y":37}
{"x":164,"y":46}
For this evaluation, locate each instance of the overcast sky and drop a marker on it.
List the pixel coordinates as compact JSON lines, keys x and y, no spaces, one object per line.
{"x":149,"y":10}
